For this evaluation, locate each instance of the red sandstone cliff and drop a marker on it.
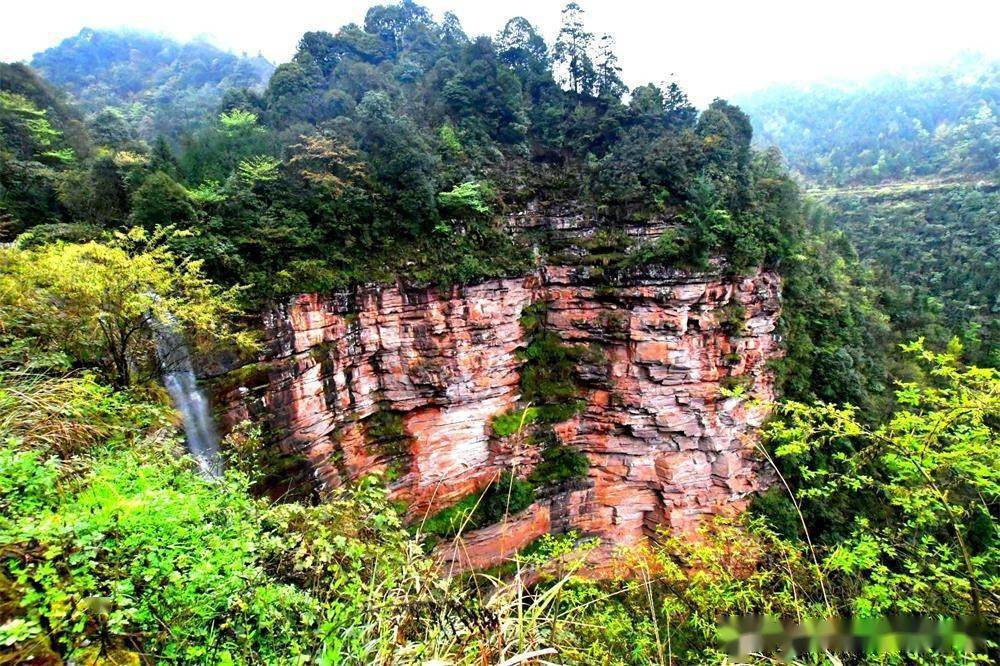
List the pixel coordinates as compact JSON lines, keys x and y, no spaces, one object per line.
{"x":666,"y":447}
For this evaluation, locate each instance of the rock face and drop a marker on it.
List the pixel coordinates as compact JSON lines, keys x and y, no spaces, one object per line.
{"x":667,"y":443}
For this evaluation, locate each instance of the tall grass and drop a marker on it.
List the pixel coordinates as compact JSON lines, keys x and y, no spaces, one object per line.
{"x":64,"y":415}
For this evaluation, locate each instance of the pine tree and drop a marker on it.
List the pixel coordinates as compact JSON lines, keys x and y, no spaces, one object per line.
{"x":572,"y":51}
{"x":608,"y":74}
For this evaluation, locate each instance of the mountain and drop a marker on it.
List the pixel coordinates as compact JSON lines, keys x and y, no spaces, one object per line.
{"x":908,"y":168}
{"x":943,"y":123}
{"x":160,"y":86}
{"x":509,"y":363}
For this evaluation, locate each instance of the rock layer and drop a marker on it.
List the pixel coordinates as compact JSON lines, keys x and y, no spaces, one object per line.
{"x":668,"y":443}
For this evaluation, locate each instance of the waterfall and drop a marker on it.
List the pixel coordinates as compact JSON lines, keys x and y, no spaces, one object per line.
{"x":190,"y":401}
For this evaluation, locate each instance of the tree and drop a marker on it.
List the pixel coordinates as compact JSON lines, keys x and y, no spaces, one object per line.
{"x":323,"y":48}
{"x":572,"y":51}
{"x":160,"y":202}
{"x":161,"y":158}
{"x":95,"y":303}
{"x":679,"y":111}
{"x":402,"y":161}
{"x":521,"y":48}
{"x":726,"y":134}
{"x":451,"y":30}
{"x":607,"y":72}
{"x":934,"y":464}
{"x":97,"y":195}
{"x":110,"y":128}
{"x":392,"y":22}
{"x":295,"y":90}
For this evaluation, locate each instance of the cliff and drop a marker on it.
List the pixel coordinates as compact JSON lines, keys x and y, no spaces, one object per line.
{"x":669,"y":377}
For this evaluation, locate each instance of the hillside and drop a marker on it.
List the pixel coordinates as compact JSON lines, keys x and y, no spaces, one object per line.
{"x":160,"y":86}
{"x":938,"y":124}
{"x":909,"y":169}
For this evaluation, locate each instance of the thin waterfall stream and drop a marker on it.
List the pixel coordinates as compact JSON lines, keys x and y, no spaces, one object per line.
{"x":188,"y":398}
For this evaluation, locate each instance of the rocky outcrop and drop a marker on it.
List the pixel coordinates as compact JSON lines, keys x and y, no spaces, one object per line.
{"x":675,"y":385}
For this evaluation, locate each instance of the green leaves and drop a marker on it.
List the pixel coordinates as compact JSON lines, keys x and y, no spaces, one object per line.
{"x":468,"y":198}
{"x":505,"y":496}
{"x":238,"y":120}
{"x":93,"y":301}
{"x":933,"y":464}
{"x":258,"y":169}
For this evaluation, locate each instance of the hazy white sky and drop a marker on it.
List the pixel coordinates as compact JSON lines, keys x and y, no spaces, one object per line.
{"x":714,"y":48}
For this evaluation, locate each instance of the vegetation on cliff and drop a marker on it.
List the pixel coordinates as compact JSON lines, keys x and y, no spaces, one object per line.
{"x":390,"y":149}
{"x":112,"y":547}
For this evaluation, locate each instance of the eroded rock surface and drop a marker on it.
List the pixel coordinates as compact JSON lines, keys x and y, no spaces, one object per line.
{"x":667,"y":445}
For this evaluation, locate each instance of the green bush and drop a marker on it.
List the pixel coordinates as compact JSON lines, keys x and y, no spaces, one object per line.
{"x":465,"y":200}
{"x":733,"y":319}
{"x":505,"y":496}
{"x":549,"y":371}
{"x":533,"y":316}
{"x":559,"y":463}
{"x":141,"y":546}
{"x":508,"y":423}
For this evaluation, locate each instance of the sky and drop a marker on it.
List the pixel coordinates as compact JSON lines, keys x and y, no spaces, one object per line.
{"x":720,"y":48}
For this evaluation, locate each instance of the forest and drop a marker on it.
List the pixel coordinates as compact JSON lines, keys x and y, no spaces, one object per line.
{"x":908,"y":168}
{"x":940,"y":123}
{"x":145,"y":181}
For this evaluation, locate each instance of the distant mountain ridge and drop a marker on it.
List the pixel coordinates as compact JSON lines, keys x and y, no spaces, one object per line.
{"x":943,"y":123}
{"x":909,"y":168}
{"x":159,"y":85}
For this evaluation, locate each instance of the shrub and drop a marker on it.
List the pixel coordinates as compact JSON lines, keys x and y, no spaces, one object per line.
{"x":559,"y":463}
{"x":508,"y":423}
{"x":505,"y":496}
{"x":733,"y":319}
{"x":548,"y":373}
{"x":449,"y":522}
{"x":468,"y":199}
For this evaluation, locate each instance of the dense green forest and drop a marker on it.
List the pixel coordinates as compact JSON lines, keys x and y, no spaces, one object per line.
{"x":144,"y":86}
{"x":943,"y":123}
{"x":909,"y":169}
{"x":169,"y":185}
{"x":935,"y":250}
{"x":422,"y":136}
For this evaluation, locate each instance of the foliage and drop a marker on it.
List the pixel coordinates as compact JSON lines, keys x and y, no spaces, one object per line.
{"x":549,"y":370}
{"x":40,"y":138}
{"x":559,"y":463}
{"x":941,"y":123}
{"x":507,"y":495}
{"x":258,"y":169}
{"x":907,"y":168}
{"x":932,"y":549}
{"x":935,"y":251}
{"x":508,"y":423}
{"x":95,"y":305}
{"x":158,"y":86}
{"x":368,"y":155}
{"x":396,"y":150}
{"x":464,"y":199}
{"x":140,"y":554}
{"x":161,"y":202}
{"x":837,"y":339}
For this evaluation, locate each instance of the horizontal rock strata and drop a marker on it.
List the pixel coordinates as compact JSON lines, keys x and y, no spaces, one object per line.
{"x":668,"y":443}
